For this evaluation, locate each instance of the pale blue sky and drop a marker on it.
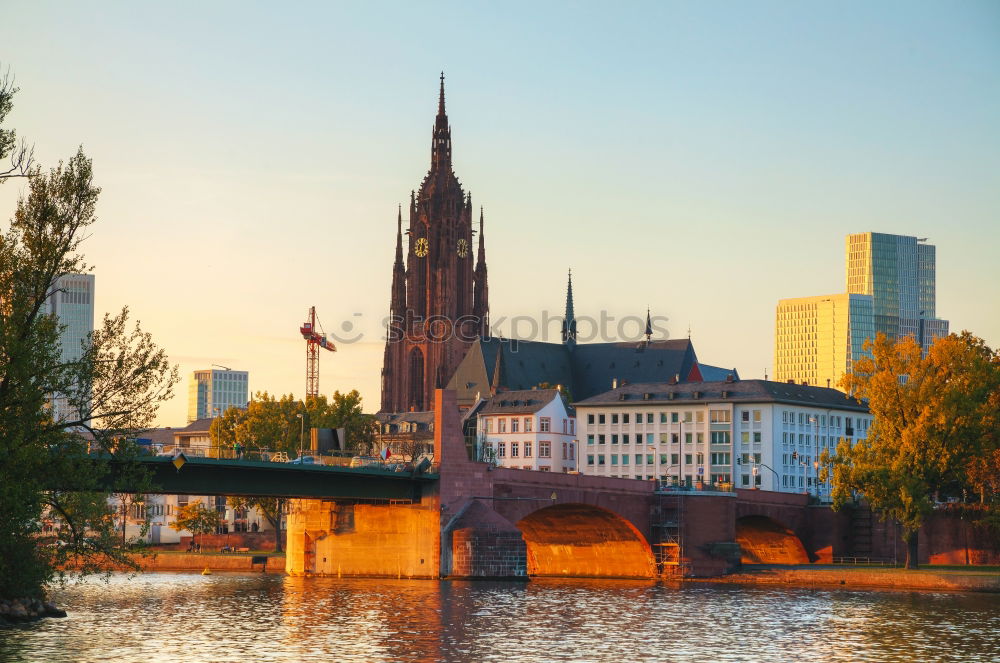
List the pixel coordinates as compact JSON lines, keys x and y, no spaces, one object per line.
{"x":704,"y":159}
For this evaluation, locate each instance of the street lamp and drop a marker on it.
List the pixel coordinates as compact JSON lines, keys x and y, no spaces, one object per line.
{"x":302,"y":432}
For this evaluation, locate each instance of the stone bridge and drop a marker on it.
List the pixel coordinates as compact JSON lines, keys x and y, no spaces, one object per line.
{"x":478,"y":521}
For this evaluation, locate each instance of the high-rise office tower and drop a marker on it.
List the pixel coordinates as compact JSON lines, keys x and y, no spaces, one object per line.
{"x":818,"y":339}
{"x":72,"y":302}
{"x":899,"y":272}
{"x":211,"y":392}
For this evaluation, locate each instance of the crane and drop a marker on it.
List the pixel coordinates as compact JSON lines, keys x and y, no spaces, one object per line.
{"x":312,"y":332}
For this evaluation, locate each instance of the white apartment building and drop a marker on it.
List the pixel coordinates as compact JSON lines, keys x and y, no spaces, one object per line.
{"x":212,"y":392}
{"x":72,"y":301}
{"x":733,"y":433}
{"x":532,"y":429}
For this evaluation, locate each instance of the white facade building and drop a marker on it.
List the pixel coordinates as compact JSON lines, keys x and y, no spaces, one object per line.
{"x":739,"y":433}
{"x":532,"y":429}
{"x":72,"y":302}
{"x":212,"y":392}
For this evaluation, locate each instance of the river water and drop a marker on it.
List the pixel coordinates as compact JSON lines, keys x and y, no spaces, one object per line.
{"x":252,"y":618}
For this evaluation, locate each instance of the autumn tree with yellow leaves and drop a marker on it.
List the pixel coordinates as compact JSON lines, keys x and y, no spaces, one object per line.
{"x":934,"y":416}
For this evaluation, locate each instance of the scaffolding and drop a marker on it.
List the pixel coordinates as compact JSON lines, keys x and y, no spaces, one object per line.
{"x":667,"y":528}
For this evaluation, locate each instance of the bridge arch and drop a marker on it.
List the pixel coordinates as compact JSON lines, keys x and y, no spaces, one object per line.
{"x":764,"y":540}
{"x":580,"y":540}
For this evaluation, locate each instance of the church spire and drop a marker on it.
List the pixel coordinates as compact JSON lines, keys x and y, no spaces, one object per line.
{"x":480,"y":295}
{"x":399,"y":236}
{"x":649,"y":326}
{"x":397,"y":305}
{"x":569,"y":322}
{"x":441,"y":143}
{"x":441,"y":97}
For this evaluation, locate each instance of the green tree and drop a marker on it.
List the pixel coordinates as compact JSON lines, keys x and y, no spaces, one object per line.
{"x":932,"y":416}
{"x":196,"y":518}
{"x":113,"y":389}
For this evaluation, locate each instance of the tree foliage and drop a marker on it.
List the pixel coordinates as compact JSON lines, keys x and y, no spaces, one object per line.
{"x":933,"y":416}
{"x":273,"y":423}
{"x":196,"y":518}
{"x":113,"y":390}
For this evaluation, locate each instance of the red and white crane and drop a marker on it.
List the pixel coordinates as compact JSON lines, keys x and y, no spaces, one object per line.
{"x":312,"y":331}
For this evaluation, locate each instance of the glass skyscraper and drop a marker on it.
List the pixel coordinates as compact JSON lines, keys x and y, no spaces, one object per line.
{"x":899,"y":272}
{"x":72,"y":301}
{"x":212,"y":392}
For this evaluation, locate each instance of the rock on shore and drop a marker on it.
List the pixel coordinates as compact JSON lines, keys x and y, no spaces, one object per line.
{"x":14,"y":611}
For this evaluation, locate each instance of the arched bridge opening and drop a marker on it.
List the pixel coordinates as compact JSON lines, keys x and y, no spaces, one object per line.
{"x":766,"y":541}
{"x":579,"y":540}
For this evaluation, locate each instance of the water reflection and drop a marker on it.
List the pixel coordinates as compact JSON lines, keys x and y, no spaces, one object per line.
{"x":176,"y":617}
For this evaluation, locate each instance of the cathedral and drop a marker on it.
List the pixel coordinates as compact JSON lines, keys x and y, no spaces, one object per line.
{"x":439,"y":301}
{"x":438,"y":331}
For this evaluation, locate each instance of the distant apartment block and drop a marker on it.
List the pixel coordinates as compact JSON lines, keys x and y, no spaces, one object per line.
{"x":72,"y":301}
{"x":211,"y":392}
{"x":818,"y":339}
{"x":900,"y":274}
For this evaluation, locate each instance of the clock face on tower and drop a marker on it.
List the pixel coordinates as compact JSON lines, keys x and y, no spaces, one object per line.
{"x":463,"y":248}
{"x":422,"y":247}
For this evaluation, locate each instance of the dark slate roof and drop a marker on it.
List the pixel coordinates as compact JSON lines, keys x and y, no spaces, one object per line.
{"x":716,"y":373}
{"x":522,"y":401}
{"x":595,"y":365}
{"x":526,"y":364}
{"x":425,"y":417}
{"x":737,"y":391}
{"x":589,"y":368}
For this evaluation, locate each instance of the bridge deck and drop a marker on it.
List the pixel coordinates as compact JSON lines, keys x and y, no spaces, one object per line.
{"x":212,"y":476}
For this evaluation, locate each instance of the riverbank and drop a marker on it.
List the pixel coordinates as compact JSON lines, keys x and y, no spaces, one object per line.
{"x":241,"y":562}
{"x":950,"y":579}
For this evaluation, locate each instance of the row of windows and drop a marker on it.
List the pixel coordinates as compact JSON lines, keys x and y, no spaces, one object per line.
{"x":544,"y":449}
{"x":525,"y":424}
{"x":717,"y":458}
{"x":697,"y":416}
{"x":717,"y":437}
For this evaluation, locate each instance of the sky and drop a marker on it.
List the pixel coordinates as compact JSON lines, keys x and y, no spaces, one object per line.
{"x":702,"y":159}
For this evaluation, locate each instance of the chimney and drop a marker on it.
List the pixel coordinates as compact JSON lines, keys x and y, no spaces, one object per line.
{"x":729,"y":377}
{"x":614,"y":383}
{"x":790,"y":381}
{"x":828,"y":383}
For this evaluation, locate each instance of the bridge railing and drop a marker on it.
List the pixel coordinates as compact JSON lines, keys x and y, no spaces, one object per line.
{"x":671,"y":485}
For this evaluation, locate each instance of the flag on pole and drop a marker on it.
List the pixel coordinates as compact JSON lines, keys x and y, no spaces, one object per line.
{"x":385,"y":454}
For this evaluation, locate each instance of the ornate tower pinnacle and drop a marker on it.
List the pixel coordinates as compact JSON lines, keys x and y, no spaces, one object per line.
{"x":569,"y":322}
{"x":397,"y":305}
{"x":649,"y":326}
{"x":480,"y":299}
{"x":441,"y":143}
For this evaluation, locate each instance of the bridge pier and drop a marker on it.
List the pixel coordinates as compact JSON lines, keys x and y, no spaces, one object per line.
{"x":347,"y":538}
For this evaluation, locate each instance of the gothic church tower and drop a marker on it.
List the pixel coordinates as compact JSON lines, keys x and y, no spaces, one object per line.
{"x":439,"y":303}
